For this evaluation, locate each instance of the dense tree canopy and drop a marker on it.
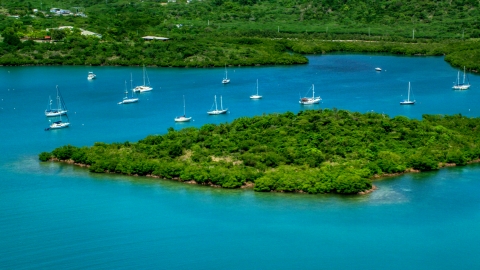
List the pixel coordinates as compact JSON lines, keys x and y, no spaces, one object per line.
{"x":318,"y":151}
{"x":215,"y":32}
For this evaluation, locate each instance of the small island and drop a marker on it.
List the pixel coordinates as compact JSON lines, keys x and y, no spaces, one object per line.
{"x":313,"y":151}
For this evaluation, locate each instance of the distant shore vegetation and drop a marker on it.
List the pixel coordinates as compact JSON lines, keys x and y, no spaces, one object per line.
{"x":313,"y":151}
{"x":212,"y":33}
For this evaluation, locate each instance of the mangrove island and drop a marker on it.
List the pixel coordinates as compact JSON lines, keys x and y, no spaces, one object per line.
{"x":313,"y":151}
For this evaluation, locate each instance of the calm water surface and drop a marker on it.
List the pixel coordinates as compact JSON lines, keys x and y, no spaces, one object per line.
{"x":62,"y":217}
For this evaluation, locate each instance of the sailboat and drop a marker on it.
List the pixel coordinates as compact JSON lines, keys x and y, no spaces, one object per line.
{"x":461,"y":86}
{"x":144,"y":87}
{"x":59,"y":123}
{"x":256,"y":96}
{"x":61,"y":108}
{"x":217,"y":111}
{"x":183,"y":118}
{"x":226,"y":79}
{"x":308,"y":100}
{"x":126,"y":99}
{"x":91,"y":76}
{"x":408,"y":101}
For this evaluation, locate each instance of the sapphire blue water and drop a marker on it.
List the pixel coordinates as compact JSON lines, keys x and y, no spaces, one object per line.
{"x":60,"y":216}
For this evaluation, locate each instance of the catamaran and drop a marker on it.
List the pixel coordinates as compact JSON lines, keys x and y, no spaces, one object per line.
{"x":126,"y":99}
{"x":145,"y":87}
{"x":183,"y":118}
{"x":226,"y":79}
{"x":310,"y":100}
{"x":256,"y":96}
{"x":61,"y":108}
{"x":217,"y":111}
{"x":408,"y":101}
{"x":461,"y":85}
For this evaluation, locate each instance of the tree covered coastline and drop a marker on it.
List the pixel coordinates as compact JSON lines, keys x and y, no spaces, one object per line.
{"x":314,"y":151}
{"x":212,"y":33}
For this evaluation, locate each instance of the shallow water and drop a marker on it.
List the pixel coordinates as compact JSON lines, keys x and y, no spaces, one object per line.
{"x":60,"y":216}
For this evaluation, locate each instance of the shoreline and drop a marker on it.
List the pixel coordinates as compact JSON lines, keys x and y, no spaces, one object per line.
{"x":251,"y":185}
{"x":305,"y":54}
{"x":441,"y":165}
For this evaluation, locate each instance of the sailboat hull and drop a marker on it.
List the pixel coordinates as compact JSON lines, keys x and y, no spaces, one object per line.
{"x":55,"y":113}
{"x":143,"y":88}
{"x":128,"y":101}
{"x":461,"y":87}
{"x":182,"y":119}
{"x":309,"y":101}
{"x":58,"y":125}
{"x":215,"y":112}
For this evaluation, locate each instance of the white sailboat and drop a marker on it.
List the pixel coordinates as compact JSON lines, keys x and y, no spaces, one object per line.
{"x":408,"y":101}
{"x":226,"y":79}
{"x":217,"y":111}
{"x":183,"y":118}
{"x":145,"y":87}
{"x":461,"y":85}
{"x":310,"y":100}
{"x":59,"y":123}
{"x":61,"y":108}
{"x":91,"y":76}
{"x":256,"y":96}
{"x":126,"y":99}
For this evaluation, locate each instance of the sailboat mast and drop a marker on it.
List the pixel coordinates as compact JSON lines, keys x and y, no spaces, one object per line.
{"x":257,"y":87}
{"x":131,"y":81}
{"x":216,"y":103}
{"x":463,"y":74}
{"x":408,"y":97}
{"x":59,"y":105}
{"x":313,"y":91}
{"x":144,"y":74}
{"x":184,"y":105}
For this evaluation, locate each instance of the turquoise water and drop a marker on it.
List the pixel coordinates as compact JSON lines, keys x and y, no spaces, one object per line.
{"x":63,"y":217}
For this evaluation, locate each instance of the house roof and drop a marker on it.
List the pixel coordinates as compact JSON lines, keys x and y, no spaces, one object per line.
{"x":153,"y":37}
